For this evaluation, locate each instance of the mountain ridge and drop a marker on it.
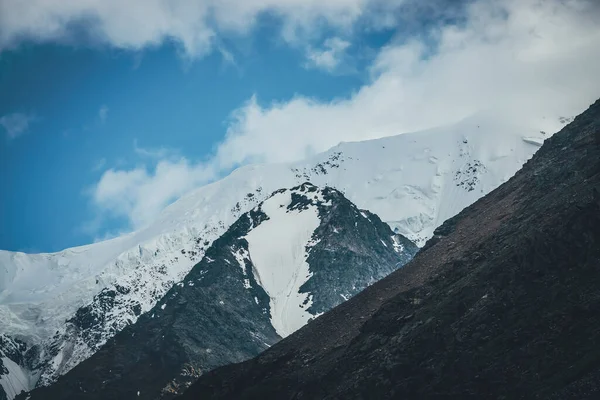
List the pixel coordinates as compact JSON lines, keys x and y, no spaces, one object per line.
{"x":412,"y":181}
{"x":501,"y":303}
{"x":244,"y":295}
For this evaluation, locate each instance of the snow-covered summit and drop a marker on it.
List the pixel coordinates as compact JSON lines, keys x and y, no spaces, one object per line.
{"x":413,"y":181}
{"x":298,"y":254}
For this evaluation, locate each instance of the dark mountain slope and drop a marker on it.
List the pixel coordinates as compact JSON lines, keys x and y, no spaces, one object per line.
{"x":222,"y":311}
{"x":504,"y":302}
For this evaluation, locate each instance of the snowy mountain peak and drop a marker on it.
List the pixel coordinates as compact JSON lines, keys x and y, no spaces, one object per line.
{"x":68,"y":304}
{"x":295,"y":255}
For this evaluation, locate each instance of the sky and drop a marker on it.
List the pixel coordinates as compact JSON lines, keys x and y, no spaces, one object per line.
{"x":111,"y":110}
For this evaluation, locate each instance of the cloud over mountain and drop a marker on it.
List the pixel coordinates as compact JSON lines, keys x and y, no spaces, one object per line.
{"x":512,"y":57}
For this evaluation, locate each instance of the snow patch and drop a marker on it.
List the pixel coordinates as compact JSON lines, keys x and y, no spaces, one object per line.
{"x":278,"y":250}
{"x":241,"y":256}
{"x":534,"y":141}
{"x":398,"y":247}
{"x":16,"y":381}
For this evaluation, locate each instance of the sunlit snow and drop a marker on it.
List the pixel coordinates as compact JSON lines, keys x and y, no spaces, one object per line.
{"x":278,"y":250}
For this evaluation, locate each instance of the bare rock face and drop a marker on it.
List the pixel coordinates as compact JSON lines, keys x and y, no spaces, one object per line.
{"x":503,"y":302}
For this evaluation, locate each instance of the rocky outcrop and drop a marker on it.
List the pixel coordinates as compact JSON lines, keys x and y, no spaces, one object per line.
{"x":238,"y":301}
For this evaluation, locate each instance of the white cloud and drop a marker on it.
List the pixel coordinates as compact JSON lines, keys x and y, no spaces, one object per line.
{"x":329,"y":56}
{"x":108,"y":235}
{"x":99,"y":165}
{"x":228,"y":57}
{"x":141,"y":193}
{"x":525,"y":59}
{"x":16,"y":124}
{"x":194,"y":24}
{"x":103,"y":113}
{"x":156,"y":154}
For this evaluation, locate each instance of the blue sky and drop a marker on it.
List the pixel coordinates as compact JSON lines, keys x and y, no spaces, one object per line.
{"x":91,"y":108}
{"x":104,"y":122}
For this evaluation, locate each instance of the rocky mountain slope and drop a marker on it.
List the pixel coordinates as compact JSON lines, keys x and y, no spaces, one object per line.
{"x":503,"y":302}
{"x":296,"y":255}
{"x":12,"y":379}
{"x":412,"y":181}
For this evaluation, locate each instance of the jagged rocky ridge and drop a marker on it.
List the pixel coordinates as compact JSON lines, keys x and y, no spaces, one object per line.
{"x":503,"y":302}
{"x":296,"y":255}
